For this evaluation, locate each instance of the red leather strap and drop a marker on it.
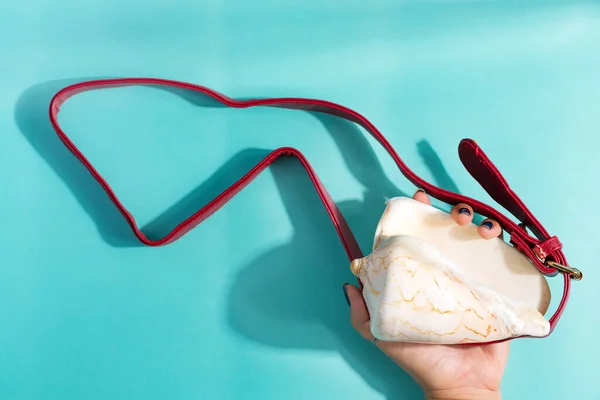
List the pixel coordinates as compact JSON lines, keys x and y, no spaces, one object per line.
{"x":542,"y":246}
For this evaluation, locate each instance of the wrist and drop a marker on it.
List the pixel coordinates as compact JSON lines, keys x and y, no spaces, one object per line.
{"x":463,"y":394}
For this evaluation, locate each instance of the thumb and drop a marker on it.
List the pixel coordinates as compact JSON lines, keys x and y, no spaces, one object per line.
{"x":359,"y":315}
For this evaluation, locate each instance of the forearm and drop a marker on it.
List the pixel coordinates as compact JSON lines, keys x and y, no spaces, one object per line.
{"x":463,"y":394}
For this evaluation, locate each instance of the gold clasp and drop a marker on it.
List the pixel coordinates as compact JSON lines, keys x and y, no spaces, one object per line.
{"x":573,"y":272}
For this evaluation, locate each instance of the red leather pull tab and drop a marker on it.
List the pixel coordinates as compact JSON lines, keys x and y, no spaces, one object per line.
{"x":489,"y":177}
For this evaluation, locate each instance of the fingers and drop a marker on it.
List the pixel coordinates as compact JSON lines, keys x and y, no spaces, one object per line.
{"x":489,"y":229}
{"x":421,"y":196}
{"x":463,"y":214}
{"x":359,"y":316}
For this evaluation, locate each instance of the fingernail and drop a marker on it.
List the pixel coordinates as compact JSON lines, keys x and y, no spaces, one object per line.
{"x":421,"y":190}
{"x":464,"y":210}
{"x":346,"y":293}
{"x":488,"y":224}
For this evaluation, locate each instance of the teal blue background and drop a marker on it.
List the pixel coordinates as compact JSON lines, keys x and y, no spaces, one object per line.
{"x":249,"y":305}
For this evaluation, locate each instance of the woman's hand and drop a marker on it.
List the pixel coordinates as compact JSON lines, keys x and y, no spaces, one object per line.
{"x":443,"y":371}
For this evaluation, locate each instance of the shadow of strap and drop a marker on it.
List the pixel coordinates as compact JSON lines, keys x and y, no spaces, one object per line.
{"x":472,"y":156}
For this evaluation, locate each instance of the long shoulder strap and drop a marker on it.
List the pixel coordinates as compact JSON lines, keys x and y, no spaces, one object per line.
{"x":544,"y":250}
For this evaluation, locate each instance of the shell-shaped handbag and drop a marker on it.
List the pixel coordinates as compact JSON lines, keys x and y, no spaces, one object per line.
{"x":427,"y":279}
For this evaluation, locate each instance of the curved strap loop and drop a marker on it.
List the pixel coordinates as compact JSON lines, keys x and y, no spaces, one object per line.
{"x":473,"y":158}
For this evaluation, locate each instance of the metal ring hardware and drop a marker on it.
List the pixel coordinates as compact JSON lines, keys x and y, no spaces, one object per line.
{"x":573,"y":272}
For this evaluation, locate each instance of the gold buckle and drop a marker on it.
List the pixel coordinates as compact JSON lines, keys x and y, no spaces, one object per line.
{"x":573,"y":272}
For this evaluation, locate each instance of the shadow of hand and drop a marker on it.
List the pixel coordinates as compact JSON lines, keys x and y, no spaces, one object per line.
{"x":291,"y":296}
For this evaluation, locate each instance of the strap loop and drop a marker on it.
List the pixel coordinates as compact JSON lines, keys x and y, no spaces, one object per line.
{"x":547,"y":247}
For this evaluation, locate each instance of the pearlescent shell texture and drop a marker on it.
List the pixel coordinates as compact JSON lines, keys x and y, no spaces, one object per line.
{"x":414,"y":294}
